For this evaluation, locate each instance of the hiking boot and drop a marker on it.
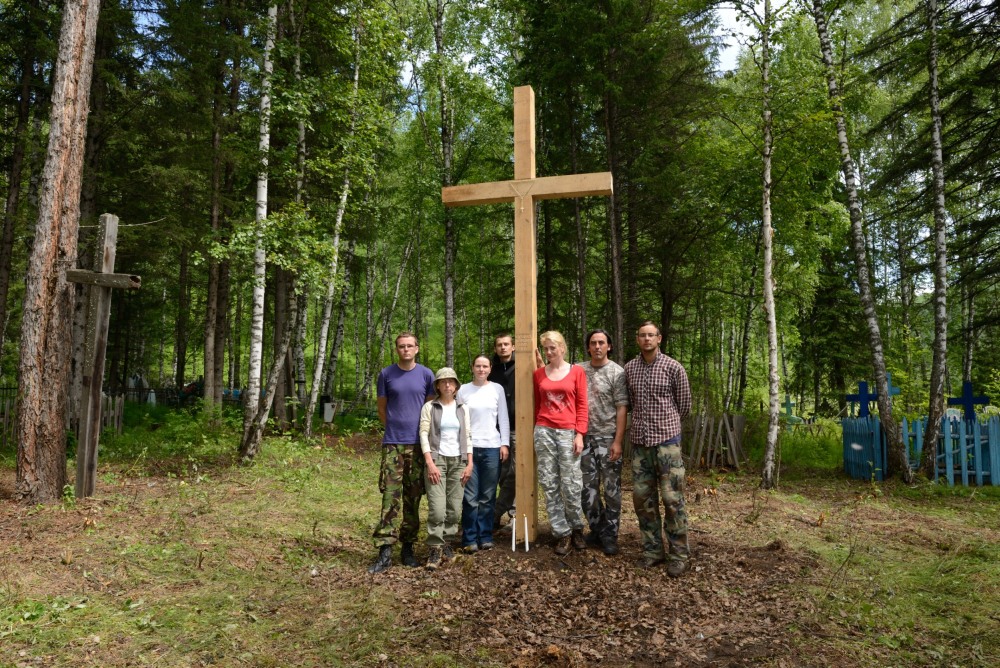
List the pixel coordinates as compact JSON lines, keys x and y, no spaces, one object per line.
{"x":471,"y":548}
{"x":488,"y":545}
{"x":610,"y":546}
{"x":447,"y":554}
{"x":649,"y":562}
{"x":579,"y":542}
{"x":676,"y":567}
{"x":593,"y":539}
{"x":562,"y":545}
{"x":408,"y":557}
{"x":433,"y":558}
{"x":384,"y":560}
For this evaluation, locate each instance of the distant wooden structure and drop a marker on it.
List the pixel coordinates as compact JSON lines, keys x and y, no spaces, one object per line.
{"x":716,"y":441}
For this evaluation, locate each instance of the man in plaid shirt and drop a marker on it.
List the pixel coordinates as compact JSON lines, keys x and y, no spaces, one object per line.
{"x":660,"y":398}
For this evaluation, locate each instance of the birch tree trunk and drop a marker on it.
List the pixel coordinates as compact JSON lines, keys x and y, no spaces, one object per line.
{"x":769,"y":475}
{"x":46,"y":336}
{"x":338,"y":338}
{"x":940,"y":236}
{"x":255,"y":434}
{"x":897,"y":454}
{"x":255,"y":360}
{"x":747,"y":324}
{"x":345,"y":189}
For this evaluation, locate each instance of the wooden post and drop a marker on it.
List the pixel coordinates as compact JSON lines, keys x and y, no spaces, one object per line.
{"x":523,"y":191}
{"x":101,"y":282}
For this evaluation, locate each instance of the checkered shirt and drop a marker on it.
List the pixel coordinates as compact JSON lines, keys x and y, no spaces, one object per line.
{"x":660,"y":398}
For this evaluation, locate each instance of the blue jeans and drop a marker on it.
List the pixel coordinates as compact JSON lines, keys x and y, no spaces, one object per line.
{"x":480,"y":497}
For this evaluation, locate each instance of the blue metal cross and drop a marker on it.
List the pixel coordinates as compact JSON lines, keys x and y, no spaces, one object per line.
{"x":893,"y":391}
{"x":967,"y":401}
{"x":863,"y":399}
{"x":789,"y":405}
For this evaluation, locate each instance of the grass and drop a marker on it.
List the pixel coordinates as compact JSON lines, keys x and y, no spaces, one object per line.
{"x":186,"y":559}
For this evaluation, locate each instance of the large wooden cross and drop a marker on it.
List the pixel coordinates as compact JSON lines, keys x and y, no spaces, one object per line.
{"x":101,"y":280}
{"x":523,"y":191}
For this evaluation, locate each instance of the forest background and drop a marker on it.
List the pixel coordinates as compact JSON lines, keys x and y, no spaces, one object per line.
{"x":377,"y":105}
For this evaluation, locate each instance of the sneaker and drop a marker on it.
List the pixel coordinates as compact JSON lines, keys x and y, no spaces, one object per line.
{"x":562,"y":545}
{"x":676,"y":567}
{"x":610,"y":546}
{"x":409,"y":559}
{"x":488,"y":545}
{"x":447,"y":554}
{"x":579,"y":543}
{"x":470,"y":549}
{"x":649,"y":562}
{"x":433,"y":558}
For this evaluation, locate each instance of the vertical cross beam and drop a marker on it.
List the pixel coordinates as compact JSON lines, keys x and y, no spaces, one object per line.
{"x":525,"y":314}
{"x":968,"y":400}
{"x":95,"y":349}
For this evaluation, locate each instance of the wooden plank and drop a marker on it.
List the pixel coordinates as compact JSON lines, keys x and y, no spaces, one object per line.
{"x":963,"y":450}
{"x":977,"y":452}
{"x":545,"y":187}
{"x":98,"y":316}
{"x":994,"y":444}
{"x":949,"y":464}
{"x":122,"y":281}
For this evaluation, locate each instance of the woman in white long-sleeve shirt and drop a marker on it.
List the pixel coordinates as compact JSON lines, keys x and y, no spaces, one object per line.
{"x":487,"y":406}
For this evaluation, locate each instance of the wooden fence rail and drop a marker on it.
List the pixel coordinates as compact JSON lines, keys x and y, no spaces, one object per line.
{"x":968,"y":451}
{"x":715,"y":441}
{"x":112,"y":411}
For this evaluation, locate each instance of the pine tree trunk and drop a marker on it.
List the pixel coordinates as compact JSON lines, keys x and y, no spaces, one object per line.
{"x":183,"y":314}
{"x":614,"y":236}
{"x":14,"y":177}
{"x":255,"y":361}
{"x":897,"y":453}
{"x":43,"y":370}
{"x":940,"y":236}
{"x":769,"y":475}
{"x":747,"y":324}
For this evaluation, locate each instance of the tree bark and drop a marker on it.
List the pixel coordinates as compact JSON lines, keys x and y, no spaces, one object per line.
{"x":338,"y":339}
{"x":43,"y":370}
{"x":769,"y":475}
{"x":259,"y":257}
{"x":897,"y":453}
{"x":747,"y":324}
{"x":940,"y":236}
{"x":345,"y":190}
{"x":14,"y":178}
{"x":183,"y":314}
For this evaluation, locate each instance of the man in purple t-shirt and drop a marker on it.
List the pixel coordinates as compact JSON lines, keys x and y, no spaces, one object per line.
{"x":403,"y":388}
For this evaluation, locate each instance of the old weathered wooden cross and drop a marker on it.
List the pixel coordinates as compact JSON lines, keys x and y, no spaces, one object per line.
{"x":523,"y":191}
{"x":101,"y":281}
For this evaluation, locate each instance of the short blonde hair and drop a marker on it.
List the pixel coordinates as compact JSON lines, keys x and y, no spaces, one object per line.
{"x":555,"y":337}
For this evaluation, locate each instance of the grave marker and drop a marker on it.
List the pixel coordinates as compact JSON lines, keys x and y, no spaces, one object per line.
{"x":863,"y":399}
{"x":968,"y":401}
{"x":102,"y":281}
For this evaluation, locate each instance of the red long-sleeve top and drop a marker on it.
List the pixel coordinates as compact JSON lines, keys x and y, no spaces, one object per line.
{"x":562,"y":404}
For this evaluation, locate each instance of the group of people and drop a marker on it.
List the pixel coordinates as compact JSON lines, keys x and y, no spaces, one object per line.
{"x":456,"y":443}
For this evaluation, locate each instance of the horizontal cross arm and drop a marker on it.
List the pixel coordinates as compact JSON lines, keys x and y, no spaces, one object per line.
{"x":546,"y":187}
{"x":124,"y":281}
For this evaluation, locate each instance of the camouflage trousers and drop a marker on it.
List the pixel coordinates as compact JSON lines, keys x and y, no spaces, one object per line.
{"x":560,"y":478}
{"x":658,"y":472}
{"x":401,"y":481}
{"x":603,"y":517}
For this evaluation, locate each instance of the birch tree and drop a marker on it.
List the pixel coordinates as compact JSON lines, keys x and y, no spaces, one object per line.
{"x":897,"y":455}
{"x":46,"y":337}
{"x":250,"y":442}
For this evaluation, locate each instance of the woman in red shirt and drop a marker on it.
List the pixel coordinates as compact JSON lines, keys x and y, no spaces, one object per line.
{"x":560,"y":423}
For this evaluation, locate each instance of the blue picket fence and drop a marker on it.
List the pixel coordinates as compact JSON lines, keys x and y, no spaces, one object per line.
{"x":968,"y":451}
